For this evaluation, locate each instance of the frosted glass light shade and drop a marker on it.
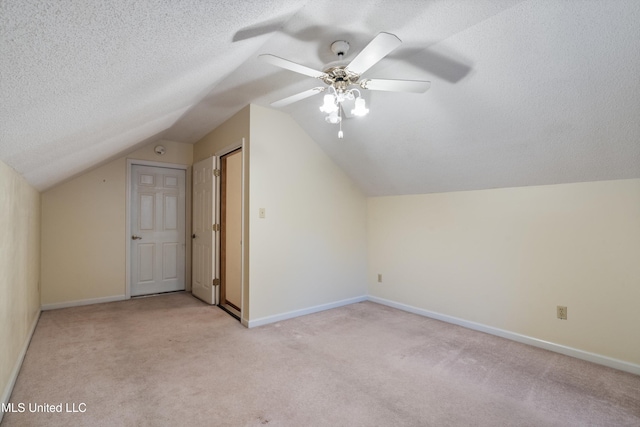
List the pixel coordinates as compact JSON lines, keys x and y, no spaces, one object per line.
{"x":329,"y":104}
{"x":360,"y":108}
{"x":333,"y":117}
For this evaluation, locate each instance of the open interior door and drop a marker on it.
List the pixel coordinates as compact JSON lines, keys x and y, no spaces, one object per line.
{"x":205,"y":231}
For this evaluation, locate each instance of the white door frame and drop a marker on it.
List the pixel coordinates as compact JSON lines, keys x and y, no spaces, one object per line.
{"x":127,"y":237}
{"x":226,"y":150}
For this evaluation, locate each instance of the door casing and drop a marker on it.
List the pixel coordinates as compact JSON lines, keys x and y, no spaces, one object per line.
{"x":226,"y":241}
{"x":240,"y":144}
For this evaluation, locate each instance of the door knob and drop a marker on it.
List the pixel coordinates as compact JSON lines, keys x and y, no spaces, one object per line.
{"x":193,"y":236}
{"x":136,"y":237}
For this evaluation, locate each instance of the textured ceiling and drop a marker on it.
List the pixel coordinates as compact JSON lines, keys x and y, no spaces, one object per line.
{"x":523,"y":92}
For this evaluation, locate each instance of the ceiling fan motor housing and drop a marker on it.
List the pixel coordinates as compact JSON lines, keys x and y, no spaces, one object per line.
{"x":339,"y":77}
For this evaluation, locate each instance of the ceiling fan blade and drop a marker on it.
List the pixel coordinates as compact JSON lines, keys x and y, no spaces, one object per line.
{"x":297,"y":97}
{"x":289,"y":65}
{"x":382,"y":45}
{"x":416,"y":86}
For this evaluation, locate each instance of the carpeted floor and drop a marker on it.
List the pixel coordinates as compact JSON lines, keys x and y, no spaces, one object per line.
{"x":172,"y":360}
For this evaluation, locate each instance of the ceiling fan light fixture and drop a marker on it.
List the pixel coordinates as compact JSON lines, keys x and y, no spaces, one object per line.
{"x":360,"y":108}
{"x":329,"y":105}
{"x":333,"y":117}
{"x":340,"y":78}
{"x":342,"y":96}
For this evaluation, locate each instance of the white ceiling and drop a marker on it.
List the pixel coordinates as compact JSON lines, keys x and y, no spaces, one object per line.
{"x":523,"y":92}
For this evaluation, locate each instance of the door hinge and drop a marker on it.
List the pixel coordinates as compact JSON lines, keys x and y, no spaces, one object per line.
{"x":216,"y":172}
{"x":215,"y":227}
{"x":216,"y":282}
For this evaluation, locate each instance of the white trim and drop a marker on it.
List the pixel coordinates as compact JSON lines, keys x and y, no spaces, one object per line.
{"x":6,"y":394}
{"x":156,"y":164}
{"x":216,"y":215}
{"x":229,"y":148}
{"x":244,"y":299}
{"x":127,"y":208}
{"x":188,"y":227}
{"x":524,"y":339}
{"x":127,"y":232}
{"x":238,"y":145}
{"x":78,"y":303}
{"x":297,"y":313}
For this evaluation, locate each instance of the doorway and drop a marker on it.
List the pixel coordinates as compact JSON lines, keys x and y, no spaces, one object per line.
{"x":231,"y":232}
{"x":157,"y":226}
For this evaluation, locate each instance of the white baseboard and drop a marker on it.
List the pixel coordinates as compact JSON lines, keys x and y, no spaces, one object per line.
{"x":77,"y":303}
{"x":558,"y":348}
{"x":296,"y":313}
{"x":6,"y":394}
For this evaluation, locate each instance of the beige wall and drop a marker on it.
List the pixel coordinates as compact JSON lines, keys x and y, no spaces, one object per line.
{"x":19,"y":272}
{"x":507,"y":257}
{"x":225,"y":135}
{"x":83,"y":229}
{"x":176,"y":152}
{"x":310,"y":249}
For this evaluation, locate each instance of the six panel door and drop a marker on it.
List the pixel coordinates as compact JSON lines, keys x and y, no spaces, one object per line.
{"x":157,"y":230}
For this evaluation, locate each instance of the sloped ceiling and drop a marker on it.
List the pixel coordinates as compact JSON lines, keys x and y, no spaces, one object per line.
{"x":523,"y":92}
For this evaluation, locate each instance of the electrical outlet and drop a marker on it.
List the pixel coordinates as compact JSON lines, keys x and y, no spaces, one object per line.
{"x":261,"y":213}
{"x":379,"y":278}
{"x":562,"y":312}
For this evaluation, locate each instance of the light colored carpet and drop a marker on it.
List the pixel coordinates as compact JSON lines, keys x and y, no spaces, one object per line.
{"x":172,"y":360}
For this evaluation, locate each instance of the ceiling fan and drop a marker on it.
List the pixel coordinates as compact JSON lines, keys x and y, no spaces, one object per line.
{"x":343,"y":82}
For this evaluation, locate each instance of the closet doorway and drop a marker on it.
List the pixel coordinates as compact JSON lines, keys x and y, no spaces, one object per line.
{"x":231,"y":232}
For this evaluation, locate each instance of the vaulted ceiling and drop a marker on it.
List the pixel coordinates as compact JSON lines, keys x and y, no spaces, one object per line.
{"x":522,"y":92}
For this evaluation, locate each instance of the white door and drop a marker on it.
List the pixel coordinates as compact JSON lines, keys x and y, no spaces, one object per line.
{"x":157,"y":230}
{"x":204,"y":259}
